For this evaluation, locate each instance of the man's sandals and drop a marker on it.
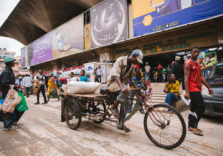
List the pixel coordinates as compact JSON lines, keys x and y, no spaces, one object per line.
{"x":196,"y":131}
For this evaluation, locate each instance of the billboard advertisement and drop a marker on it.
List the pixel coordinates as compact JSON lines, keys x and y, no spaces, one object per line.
{"x":69,"y":38}
{"x":29,"y":54}
{"x":42,"y":49}
{"x":23,"y":58}
{"x":157,"y":15}
{"x":87,"y":36}
{"x":108,"y":22}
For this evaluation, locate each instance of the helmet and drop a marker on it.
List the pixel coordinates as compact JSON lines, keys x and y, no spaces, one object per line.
{"x":138,"y":54}
{"x":8,"y":59}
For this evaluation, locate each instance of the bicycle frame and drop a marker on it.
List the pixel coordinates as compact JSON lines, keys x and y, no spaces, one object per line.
{"x":156,"y":118}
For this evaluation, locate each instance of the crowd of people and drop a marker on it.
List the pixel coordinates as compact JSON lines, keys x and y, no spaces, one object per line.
{"x":53,"y":83}
{"x":125,"y":73}
{"x":40,"y":83}
{"x":189,"y":74}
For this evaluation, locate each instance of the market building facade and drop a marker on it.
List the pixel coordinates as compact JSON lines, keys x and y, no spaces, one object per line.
{"x":114,"y":28}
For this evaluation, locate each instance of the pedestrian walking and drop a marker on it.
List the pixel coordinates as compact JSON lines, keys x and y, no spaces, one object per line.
{"x":193,"y":81}
{"x":178,"y":70}
{"x":7,"y":78}
{"x":83,"y":77}
{"x":42,"y":87}
{"x":36,"y":84}
{"x":139,"y":73}
{"x":52,"y":88}
{"x":160,"y":73}
{"x":147,"y":71}
{"x":27,"y":84}
{"x":133,"y":93}
{"x":72,"y":78}
{"x":164,"y":74}
{"x":99,"y":74}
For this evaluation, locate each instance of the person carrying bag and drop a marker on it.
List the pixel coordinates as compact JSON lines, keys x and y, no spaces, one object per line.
{"x":10,"y":97}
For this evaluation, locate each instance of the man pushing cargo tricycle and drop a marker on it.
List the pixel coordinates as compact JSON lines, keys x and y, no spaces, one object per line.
{"x":163,"y":124}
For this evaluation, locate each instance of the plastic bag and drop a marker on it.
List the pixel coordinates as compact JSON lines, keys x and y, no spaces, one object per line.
{"x":11,"y":100}
{"x":75,"y":87}
{"x":22,"y":106}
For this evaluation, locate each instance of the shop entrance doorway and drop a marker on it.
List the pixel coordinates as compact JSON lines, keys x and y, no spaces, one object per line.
{"x":164,"y":60}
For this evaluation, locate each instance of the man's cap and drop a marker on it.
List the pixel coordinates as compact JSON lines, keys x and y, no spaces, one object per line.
{"x":177,"y":58}
{"x":138,"y":54}
{"x":8,"y":59}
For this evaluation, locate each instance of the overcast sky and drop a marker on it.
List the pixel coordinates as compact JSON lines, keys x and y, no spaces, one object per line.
{"x":6,"y":7}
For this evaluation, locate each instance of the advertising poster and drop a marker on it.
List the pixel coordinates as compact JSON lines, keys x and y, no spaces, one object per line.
{"x":87,"y":36}
{"x":108,"y":22}
{"x":157,"y":15}
{"x":22,"y":61}
{"x":42,"y":49}
{"x":69,"y":38}
{"x":29,"y":54}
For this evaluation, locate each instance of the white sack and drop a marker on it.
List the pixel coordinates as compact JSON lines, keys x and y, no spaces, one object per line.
{"x":77,"y":87}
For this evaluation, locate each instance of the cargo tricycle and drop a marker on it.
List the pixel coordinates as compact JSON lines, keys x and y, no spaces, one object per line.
{"x":163,"y":124}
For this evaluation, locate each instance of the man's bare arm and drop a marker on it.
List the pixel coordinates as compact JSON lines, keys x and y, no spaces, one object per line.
{"x":124,"y":90}
{"x":186,"y":76}
{"x":206,"y":84}
{"x":117,"y":79}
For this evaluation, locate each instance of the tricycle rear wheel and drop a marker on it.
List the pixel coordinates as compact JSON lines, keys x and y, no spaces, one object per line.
{"x":72,"y":114}
{"x":99,"y":110}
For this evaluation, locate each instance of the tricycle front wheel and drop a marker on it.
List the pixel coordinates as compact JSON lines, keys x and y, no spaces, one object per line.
{"x":72,"y":114}
{"x":164,"y":126}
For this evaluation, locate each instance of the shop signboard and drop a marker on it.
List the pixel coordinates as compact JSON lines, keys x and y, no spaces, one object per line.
{"x":156,"y":15}
{"x":42,"y":49}
{"x":108,"y":22}
{"x":69,"y":38}
{"x":78,"y":67}
{"x":68,"y":69}
{"x":173,"y":42}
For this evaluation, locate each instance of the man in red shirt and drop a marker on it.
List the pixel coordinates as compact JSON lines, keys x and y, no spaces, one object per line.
{"x":193,"y":79}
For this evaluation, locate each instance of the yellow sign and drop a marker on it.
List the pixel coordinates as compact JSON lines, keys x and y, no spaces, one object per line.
{"x":147,"y":20}
{"x":145,"y":7}
{"x":87,"y":36}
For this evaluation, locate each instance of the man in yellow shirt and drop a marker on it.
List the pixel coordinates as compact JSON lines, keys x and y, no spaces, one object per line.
{"x":172,"y":89}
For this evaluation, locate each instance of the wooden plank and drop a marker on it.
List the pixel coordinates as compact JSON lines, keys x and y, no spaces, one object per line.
{"x":95,"y":95}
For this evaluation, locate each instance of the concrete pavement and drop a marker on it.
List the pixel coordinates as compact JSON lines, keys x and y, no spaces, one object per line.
{"x":44,"y":134}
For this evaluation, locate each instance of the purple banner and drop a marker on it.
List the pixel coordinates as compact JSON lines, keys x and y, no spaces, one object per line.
{"x":42,"y":49}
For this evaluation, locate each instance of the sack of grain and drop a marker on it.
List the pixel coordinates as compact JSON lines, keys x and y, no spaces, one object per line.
{"x":77,"y":87}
